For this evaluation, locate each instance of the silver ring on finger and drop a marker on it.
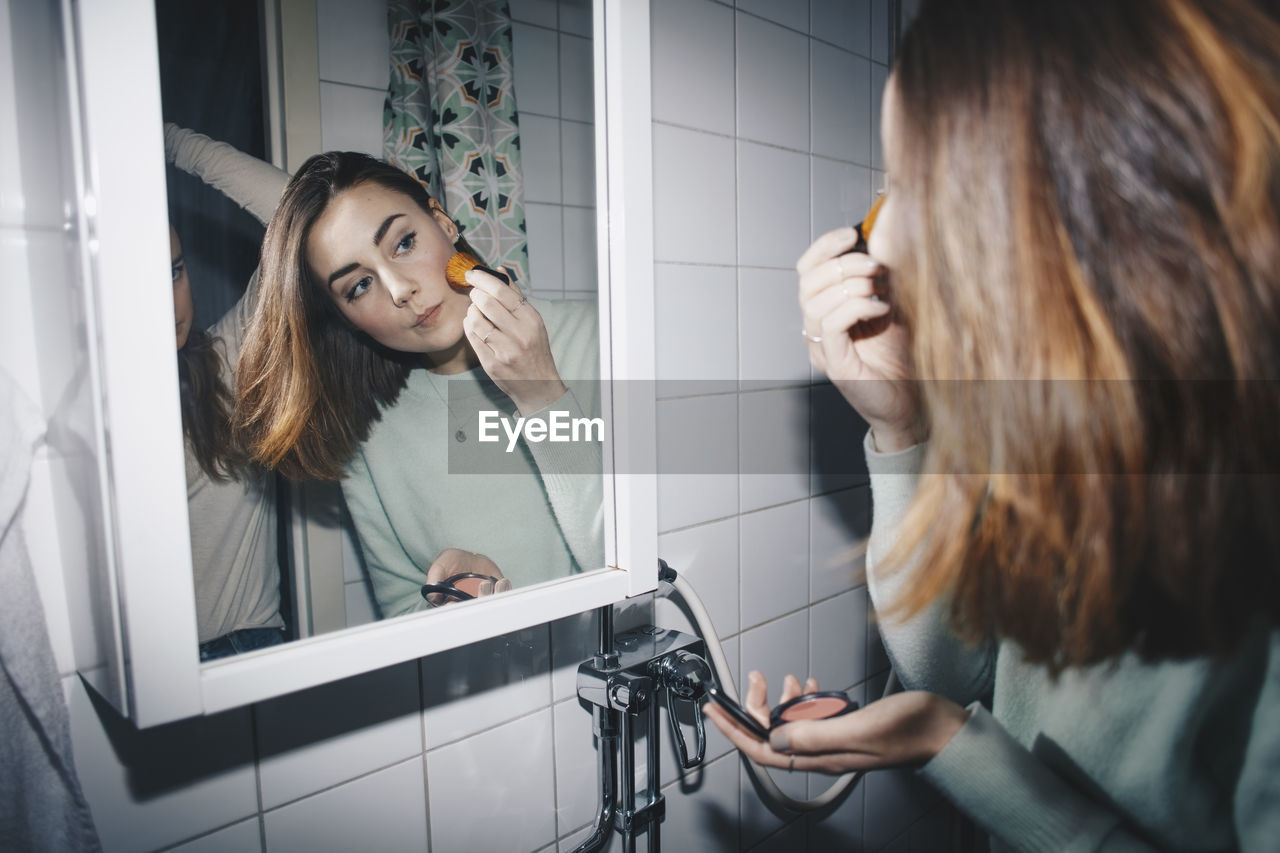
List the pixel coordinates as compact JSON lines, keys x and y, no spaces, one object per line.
{"x":485,"y":339}
{"x":813,"y":339}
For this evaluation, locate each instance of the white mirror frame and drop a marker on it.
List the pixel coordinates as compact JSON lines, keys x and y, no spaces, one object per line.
{"x":153,"y":673}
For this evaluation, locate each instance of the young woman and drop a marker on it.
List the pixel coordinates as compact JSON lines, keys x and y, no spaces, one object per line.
{"x":362,"y":364}
{"x":231,"y":502}
{"x":1065,"y":341}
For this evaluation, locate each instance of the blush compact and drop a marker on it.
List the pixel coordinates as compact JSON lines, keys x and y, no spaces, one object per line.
{"x":813,"y":706}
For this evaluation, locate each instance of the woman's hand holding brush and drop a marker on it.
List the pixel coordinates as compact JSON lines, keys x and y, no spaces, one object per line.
{"x":511,"y":341}
{"x":854,"y":338}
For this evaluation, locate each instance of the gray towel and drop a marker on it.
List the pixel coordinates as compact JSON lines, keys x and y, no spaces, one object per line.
{"x":41,"y":804}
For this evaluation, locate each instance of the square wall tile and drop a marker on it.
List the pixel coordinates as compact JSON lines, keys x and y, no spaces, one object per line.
{"x":704,"y":819}
{"x":578,"y":162}
{"x":844,"y":23}
{"x":893,"y":803}
{"x":575,"y":17}
{"x":353,"y":43}
{"x":769,"y":321}
{"x":773,"y":455}
{"x":471,"y":688}
{"x":384,"y":810}
{"x":577,"y":87}
{"x":841,"y":107}
{"x":839,"y":828}
{"x":156,"y":787}
{"x":839,"y":523}
{"x":542,"y":12}
{"x":775,"y":574}
{"x":535,"y":54}
{"x":545,"y":230}
{"x":841,"y":194}
{"x":697,"y":460}
{"x":351,"y":118}
{"x":495,"y":791}
{"x":773,"y":83}
{"x":837,"y":640}
{"x":315,"y":738}
{"x":707,"y":557}
{"x":836,"y":433}
{"x":693,"y":71}
{"x":776,"y":649}
{"x":694,"y":192}
{"x":581,"y":267}
{"x":540,"y":158}
{"x":577,"y":771}
{"x":881,"y":31}
{"x":759,"y":824}
{"x":773,"y":206}
{"x":793,"y":15}
{"x":696,"y":331}
{"x":793,"y":836}
{"x":243,"y":837}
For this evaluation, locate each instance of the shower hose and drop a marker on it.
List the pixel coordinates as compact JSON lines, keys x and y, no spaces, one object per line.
{"x":724,"y":677}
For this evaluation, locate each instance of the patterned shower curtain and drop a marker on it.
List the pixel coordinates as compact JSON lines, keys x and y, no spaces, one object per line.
{"x":450,"y":118}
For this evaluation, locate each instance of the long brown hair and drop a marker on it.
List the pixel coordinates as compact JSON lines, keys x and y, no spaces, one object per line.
{"x":1090,"y":193}
{"x":207,"y":405}
{"x":310,"y":385}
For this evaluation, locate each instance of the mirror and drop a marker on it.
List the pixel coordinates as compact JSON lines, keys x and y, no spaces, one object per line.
{"x":144,"y":622}
{"x":444,"y":492}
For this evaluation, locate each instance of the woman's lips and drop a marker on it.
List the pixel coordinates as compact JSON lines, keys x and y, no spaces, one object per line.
{"x":428,"y":318}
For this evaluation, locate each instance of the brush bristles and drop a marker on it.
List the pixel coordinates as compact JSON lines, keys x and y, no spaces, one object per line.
{"x":870,"y":220}
{"x":460,"y":263}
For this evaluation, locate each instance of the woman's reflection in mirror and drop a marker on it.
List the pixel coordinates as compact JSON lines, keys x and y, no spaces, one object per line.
{"x":361,"y":359}
{"x":231,"y":501}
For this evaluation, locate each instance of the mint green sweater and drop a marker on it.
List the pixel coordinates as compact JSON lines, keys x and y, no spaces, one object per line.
{"x":538,"y":511}
{"x":1127,"y":756}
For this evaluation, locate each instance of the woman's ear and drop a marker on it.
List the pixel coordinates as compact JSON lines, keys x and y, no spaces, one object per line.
{"x":445,"y":222}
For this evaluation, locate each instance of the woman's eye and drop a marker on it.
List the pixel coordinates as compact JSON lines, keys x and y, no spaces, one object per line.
{"x":358,"y":289}
{"x":406,"y":242}
{"x":177,"y":272}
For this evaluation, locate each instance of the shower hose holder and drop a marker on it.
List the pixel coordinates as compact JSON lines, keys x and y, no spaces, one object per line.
{"x":646,"y":665}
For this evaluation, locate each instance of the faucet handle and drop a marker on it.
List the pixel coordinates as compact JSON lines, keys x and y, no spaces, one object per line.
{"x":686,"y":677}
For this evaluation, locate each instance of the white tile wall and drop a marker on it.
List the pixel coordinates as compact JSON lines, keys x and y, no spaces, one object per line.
{"x":742,"y":98}
{"x":694,"y":197}
{"x":773,"y":206}
{"x":693,"y":64}
{"x":384,"y":810}
{"x":773,"y":83}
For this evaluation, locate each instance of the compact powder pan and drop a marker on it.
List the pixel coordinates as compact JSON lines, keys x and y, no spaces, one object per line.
{"x":812,"y":706}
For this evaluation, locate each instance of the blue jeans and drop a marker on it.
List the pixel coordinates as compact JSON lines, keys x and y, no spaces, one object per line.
{"x":244,"y":640}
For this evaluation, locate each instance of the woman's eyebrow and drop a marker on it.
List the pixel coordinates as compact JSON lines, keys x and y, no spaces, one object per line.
{"x":382,"y":229}
{"x":377,"y":238}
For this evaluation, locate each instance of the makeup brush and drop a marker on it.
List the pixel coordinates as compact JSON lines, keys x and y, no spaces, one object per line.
{"x":460,"y":263}
{"x":868,"y":222}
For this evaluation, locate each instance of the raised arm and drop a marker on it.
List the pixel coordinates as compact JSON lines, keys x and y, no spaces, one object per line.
{"x":251,"y":183}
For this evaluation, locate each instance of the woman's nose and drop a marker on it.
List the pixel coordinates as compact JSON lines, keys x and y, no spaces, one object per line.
{"x":402,"y":289}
